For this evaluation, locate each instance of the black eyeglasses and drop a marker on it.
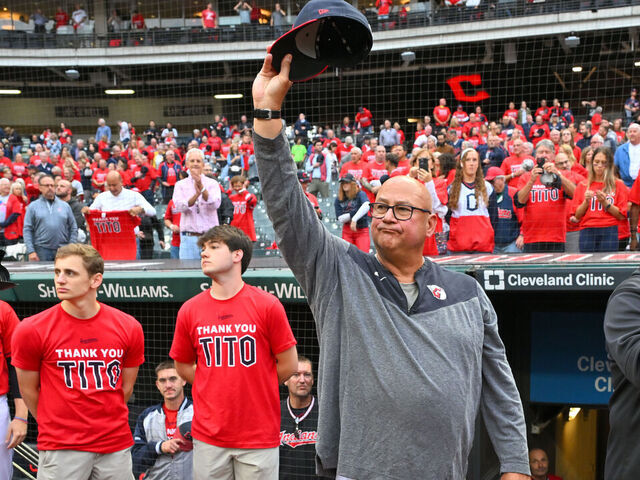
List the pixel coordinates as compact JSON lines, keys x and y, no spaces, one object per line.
{"x":401,"y":212}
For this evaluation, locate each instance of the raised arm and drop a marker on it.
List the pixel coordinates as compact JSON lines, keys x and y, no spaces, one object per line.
{"x":294,"y":219}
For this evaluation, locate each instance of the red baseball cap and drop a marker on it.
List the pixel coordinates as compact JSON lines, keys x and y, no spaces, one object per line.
{"x":493,"y":172}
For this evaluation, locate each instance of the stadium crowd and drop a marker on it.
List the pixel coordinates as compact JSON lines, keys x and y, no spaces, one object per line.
{"x":535,"y":179}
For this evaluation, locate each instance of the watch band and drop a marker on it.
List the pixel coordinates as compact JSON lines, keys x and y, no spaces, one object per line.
{"x":267,"y":114}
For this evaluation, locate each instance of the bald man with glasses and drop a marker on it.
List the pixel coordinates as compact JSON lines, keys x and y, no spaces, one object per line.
{"x":385,"y":321}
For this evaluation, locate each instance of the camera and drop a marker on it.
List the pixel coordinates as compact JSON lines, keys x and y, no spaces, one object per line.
{"x":540,"y":162}
{"x":527,"y":164}
{"x":550,"y":180}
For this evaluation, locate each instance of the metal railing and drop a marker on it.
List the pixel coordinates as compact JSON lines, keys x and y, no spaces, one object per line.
{"x":429,"y":14}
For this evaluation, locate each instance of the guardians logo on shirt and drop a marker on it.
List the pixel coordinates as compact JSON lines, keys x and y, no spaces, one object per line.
{"x":290,"y":439}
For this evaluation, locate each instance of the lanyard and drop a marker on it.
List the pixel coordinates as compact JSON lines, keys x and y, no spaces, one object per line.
{"x":302,"y":417}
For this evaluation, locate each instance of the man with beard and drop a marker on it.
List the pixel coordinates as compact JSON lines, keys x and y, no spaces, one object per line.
{"x":299,"y":424}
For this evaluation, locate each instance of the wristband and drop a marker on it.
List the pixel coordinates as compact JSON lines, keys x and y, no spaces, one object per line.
{"x":21,"y":419}
{"x":267,"y":114}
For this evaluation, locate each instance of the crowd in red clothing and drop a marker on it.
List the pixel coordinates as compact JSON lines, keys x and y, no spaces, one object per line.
{"x":493,"y":170}
{"x":529,"y":175}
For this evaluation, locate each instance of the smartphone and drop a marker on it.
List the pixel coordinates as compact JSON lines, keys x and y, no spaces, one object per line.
{"x":423,"y":163}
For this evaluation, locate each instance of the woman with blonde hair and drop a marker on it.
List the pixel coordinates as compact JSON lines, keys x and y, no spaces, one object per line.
{"x":600,"y":203}
{"x":352,"y":207}
{"x":470,"y":202}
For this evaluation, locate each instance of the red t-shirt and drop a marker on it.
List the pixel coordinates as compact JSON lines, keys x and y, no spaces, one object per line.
{"x":538,"y":133}
{"x":19,"y":170}
{"x":209,"y":18}
{"x":172,"y":175}
{"x":234,"y":342}
{"x":375,"y":172}
{"x":65,"y":135}
{"x":469,"y":125}
{"x":512,"y":165}
{"x":215,"y":143}
{"x":364,"y":118}
{"x":544,"y":112}
{"x":596,"y":216}
{"x":579,"y":169}
{"x":246,"y":149}
{"x":112,"y":233}
{"x":143,"y":182}
{"x":170,"y":421}
{"x":358,"y":170}
{"x":80,"y":362}
{"x":32,"y":189}
{"x":441,"y":114}
{"x":100,"y":175}
{"x":511,"y":113}
{"x":8,"y":322}
{"x":634,"y":193}
{"x":61,"y":19}
{"x":104,"y":149}
{"x":544,"y":213}
{"x":137,"y":20}
{"x":461,"y":116}
{"x":624,"y":228}
{"x":171,"y":213}
{"x":243,"y":204}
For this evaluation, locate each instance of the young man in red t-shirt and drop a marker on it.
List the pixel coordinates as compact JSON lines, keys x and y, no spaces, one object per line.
{"x":243,"y":345}
{"x":243,"y":204}
{"x":209,"y":17}
{"x":77,"y":363}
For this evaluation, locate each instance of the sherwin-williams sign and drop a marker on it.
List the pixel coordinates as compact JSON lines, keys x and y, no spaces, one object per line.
{"x":569,"y":363}
{"x":152,"y":286}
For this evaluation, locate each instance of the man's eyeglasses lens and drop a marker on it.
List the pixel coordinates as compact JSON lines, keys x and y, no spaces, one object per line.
{"x":401,"y":212}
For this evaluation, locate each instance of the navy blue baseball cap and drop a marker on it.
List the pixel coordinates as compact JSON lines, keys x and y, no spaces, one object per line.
{"x":325,"y":33}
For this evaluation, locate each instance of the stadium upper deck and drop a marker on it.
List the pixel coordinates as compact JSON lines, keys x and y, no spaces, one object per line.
{"x":178,"y":23}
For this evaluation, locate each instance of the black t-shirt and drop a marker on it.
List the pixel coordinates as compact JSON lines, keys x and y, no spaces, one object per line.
{"x":297,"y":455}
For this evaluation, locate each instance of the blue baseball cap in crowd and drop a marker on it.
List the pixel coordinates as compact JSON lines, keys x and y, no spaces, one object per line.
{"x":325,"y":33}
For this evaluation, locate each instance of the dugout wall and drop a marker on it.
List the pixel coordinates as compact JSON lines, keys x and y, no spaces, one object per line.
{"x":561,"y":305}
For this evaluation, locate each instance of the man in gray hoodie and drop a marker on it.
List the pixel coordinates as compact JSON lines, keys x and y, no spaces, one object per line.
{"x":388,"y":321}
{"x":48,"y":223}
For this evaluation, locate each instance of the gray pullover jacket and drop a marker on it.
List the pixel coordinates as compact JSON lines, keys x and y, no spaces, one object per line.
{"x":399,"y":388}
{"x":622,"y":334}
{"x":49,"y":224}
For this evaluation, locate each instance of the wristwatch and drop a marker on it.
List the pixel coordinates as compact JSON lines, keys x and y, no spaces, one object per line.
{"x":266,"y":114}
